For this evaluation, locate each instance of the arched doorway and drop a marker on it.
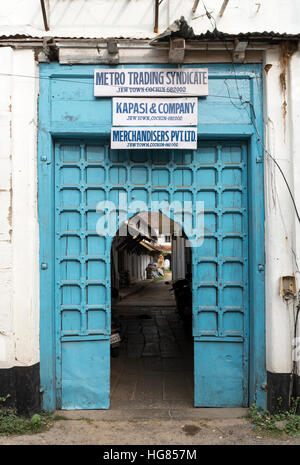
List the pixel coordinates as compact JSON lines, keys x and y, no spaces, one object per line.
{"x":151,"y":311}
{"x":93,"y":184}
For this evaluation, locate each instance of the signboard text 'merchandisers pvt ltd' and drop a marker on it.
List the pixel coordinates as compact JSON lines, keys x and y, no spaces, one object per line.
{"x":144,"y":82}
{"x":153,"y":138}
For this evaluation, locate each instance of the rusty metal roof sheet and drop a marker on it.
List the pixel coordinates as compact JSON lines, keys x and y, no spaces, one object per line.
{"x":180,"y":28}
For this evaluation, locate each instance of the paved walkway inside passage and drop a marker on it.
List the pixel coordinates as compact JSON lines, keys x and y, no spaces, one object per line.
{"x":149,"y":292}
{"x":155,"y":365}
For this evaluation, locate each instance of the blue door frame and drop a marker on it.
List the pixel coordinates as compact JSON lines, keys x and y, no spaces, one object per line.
{"x":66,"y":111}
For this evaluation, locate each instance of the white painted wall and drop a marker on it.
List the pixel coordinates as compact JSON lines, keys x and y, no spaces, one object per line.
{"x":135,"y":18}
{"x":6,"y":320}
{"x":19,"y":273}
{"x":281,"y":245}
{"x":161,"y":240}
{"x":294,"y":121}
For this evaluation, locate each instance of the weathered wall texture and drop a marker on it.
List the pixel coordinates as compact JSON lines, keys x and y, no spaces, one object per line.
{"x":19,"y":273}
{"x":135,"y":18}
{"x":282,"y":249}
{"x":6,"y":323}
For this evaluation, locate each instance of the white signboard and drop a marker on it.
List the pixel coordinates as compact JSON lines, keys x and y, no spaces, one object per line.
{"x":153,"y":138}
{"x":144,"y":82}
{"x":155,"y":111}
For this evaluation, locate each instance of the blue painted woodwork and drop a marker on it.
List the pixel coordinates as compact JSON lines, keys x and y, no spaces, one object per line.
{"x":220,"y":284}
{"x":225,"y":173}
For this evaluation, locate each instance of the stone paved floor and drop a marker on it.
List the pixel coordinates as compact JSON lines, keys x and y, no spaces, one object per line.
{"x":155,"y":365}
{"x":148,"y":292}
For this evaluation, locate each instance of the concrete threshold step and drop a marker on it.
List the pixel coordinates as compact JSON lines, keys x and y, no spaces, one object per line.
{"x":132,"y":414}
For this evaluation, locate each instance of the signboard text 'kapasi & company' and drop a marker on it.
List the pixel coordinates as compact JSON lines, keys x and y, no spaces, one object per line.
{"x":155,"y":111}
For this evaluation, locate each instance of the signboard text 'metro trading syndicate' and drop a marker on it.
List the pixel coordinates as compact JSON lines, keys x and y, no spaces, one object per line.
{"x":166,"y":82}
{"x":147,"y":82}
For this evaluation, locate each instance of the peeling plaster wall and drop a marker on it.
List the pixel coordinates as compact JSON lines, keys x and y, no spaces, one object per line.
{"x":281,"y":245}
{"x":19,"y":273}
{"x":294,"y":92}
{"x":6,"y":320}
{"x":294,"y":118}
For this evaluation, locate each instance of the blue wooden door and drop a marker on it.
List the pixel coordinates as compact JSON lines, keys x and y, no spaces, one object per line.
{"x":220,"y":284}
{"x":82,"y":279}
{"x":87,"y":173}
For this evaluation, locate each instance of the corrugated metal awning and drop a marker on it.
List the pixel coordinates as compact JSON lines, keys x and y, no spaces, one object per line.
{"x":180,"y":28}
{"x":148,"y":247}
